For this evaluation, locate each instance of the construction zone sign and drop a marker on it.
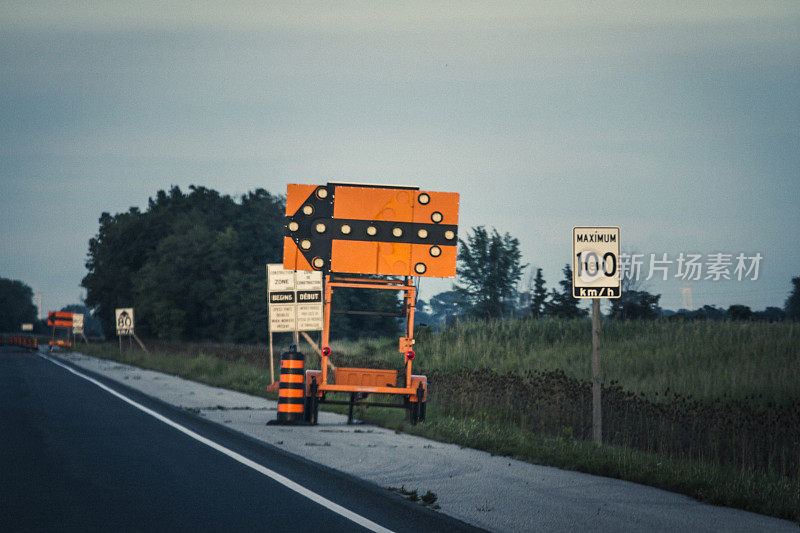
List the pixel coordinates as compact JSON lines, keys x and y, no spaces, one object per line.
{"x":371,"y":229}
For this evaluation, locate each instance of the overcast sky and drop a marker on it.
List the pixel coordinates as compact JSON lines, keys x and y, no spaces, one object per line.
{"x":678,"y":122}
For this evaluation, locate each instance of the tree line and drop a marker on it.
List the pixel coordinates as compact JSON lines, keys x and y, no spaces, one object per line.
{"x":16,"y":305}
{"x":193,"y":265}
{"x":489,"y":271}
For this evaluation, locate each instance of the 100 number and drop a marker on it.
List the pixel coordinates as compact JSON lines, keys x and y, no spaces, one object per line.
{"x":589,"y":264}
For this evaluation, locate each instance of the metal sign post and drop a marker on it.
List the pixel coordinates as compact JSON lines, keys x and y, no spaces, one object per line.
{"x":595,"y":275}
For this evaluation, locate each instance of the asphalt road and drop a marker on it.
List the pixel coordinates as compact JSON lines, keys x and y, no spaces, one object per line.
{"x":75,"y":457}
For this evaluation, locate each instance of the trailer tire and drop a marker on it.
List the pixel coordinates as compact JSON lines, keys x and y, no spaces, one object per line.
{"x":413,"y":413}
{"x":314,"y":410}
{"x":311,"y":406}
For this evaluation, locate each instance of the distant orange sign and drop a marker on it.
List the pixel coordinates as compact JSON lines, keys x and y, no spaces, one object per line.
{"x":59,"y":319}
{"x":371,"y":229}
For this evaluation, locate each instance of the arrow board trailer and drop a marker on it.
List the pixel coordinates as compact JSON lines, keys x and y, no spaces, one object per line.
{"x":371,"y":229}
{"x":60,"y":320}
{"x":372,"y":237}
{"x":595,"y":262}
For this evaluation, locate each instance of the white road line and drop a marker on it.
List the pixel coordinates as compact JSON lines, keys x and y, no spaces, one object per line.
{"x":286,"y":482}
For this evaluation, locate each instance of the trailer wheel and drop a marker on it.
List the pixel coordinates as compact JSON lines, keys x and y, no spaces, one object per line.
{"x":413,"y":413}
{"x":416,"y":411}
{"x":350,"y":406}
{"x":314,"y":410}
{"x":421,"y":403}
{"x":311,"y":407}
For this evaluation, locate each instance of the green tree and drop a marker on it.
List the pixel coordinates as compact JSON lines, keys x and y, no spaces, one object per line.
{"x":192,"y":265}
{"x":448,"y":305}
{"x":91,"y":326}
{"x":489,"y":269}
{"x":771,"y":314}
{"x":633,"y":304}
{"x":710,"y":312}
{"x":792,"y":305}
{"x":538,"y":295}
{"x":562,"y":304}
{"x":348,"y":321}
{"x":739,"y":312}
{"x":115,"y":254}
{"x":177,"y":291}
{"x":422,"y":317}
{"x":16,"y":305}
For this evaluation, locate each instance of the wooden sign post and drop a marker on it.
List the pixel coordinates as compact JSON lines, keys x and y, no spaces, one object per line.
{"x":595,"y":257}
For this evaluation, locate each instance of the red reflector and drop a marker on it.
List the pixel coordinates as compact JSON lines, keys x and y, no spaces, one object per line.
{"x":410,"y":355}
{"x":326,"y":351}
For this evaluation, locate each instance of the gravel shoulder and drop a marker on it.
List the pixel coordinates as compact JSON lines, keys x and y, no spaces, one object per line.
{"x":492,"y":492}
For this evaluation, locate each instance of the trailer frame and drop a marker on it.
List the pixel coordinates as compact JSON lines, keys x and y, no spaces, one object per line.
{"x":414,"y":387}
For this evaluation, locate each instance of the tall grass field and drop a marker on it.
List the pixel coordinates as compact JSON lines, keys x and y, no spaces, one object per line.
{"x":704,"y":359}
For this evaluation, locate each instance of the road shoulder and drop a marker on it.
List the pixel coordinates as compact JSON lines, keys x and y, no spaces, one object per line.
{"x":491,"y":492}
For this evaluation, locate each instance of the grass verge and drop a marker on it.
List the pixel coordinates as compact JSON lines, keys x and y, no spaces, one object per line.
{"x":753,"y":491}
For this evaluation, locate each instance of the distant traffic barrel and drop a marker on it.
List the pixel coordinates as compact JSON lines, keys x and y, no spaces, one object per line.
{"x":291,"y":389}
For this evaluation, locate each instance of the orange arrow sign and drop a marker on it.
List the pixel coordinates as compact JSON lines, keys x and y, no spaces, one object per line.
{"x":371,"y":229}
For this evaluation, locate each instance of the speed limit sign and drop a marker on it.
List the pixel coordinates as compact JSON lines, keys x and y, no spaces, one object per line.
{"x":595,"y":262}
{"x":124,"y":319}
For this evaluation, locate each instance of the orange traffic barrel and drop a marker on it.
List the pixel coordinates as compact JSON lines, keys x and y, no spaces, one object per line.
{"x":291,"y":389}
